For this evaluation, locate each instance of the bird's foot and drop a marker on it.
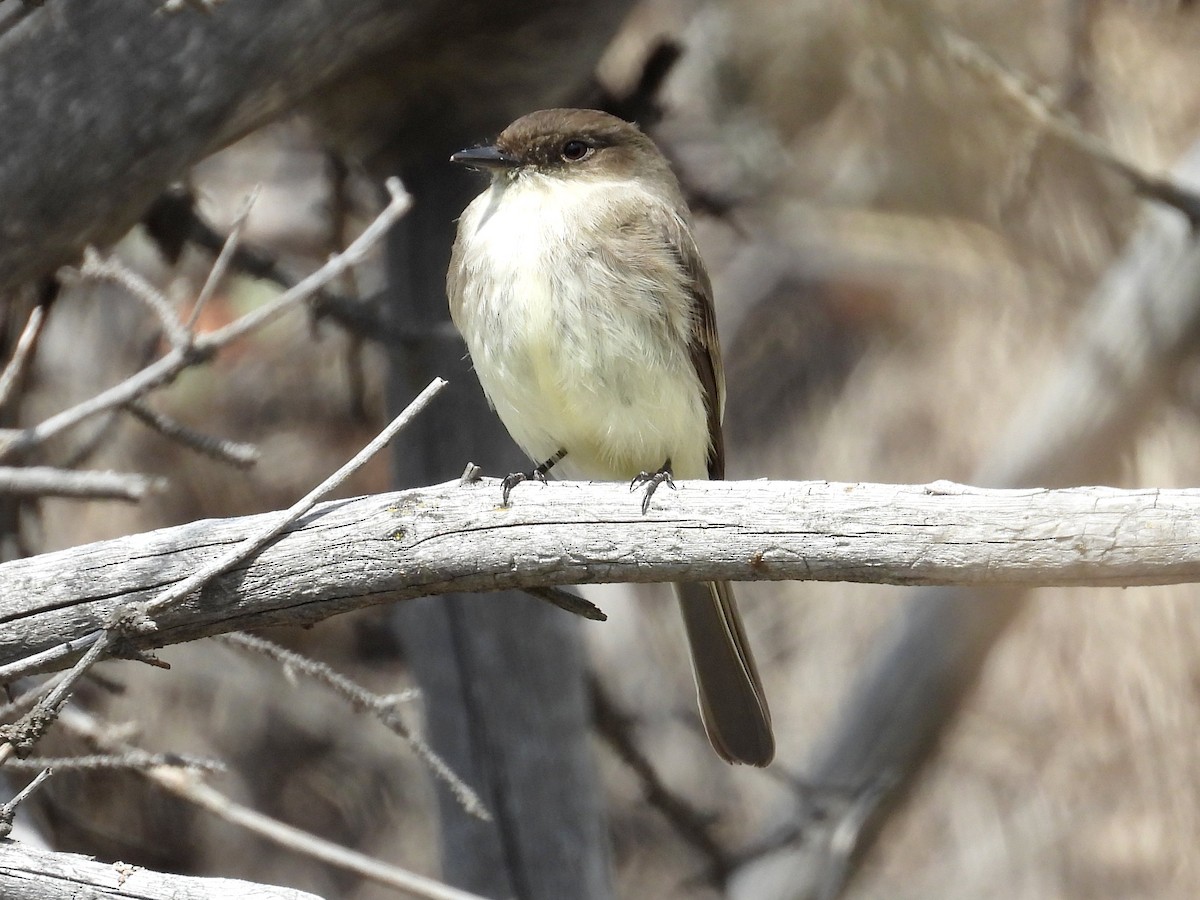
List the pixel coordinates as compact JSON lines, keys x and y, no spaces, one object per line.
{"x":651,"y":481}
{"x":537,"y":474}
{"x":511,"y":481}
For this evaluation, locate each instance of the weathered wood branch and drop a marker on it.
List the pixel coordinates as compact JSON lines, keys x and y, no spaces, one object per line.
{"x":353,"y":553}
{"x":125,"y":100}
{"x":27,"y":873}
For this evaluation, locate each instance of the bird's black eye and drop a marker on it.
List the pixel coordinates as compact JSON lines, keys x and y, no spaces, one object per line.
{"x":574,"y":150}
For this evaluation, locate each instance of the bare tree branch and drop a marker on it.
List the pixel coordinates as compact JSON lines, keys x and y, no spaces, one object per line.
{"x":173,"y":221}
{"x":195,"y":791}
{"x":134,"y":758}
{"x":98,"y":268}
{"x":974,"y":59}
{"x":353,"y":553}
{"x":128,"y":620}
{"x":32,"y":874}
{"x":694,"y":827}
{"x":114,"y":634}
{"x":8,"y":810}
{"x":224,"y":258}
{"x":45,"y":481}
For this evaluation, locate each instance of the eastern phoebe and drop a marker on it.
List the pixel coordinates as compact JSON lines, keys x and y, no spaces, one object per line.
{"x":588,"y":314}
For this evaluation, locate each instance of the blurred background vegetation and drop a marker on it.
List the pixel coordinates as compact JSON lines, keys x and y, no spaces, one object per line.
{"x":901,"y":257}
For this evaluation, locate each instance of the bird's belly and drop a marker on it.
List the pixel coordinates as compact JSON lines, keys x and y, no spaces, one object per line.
{"x":562,"y":377}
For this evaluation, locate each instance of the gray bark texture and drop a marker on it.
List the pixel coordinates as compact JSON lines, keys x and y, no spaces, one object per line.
{"x":30,"y":874}
{"x":347,"y":554}
{"x":106,"y":103}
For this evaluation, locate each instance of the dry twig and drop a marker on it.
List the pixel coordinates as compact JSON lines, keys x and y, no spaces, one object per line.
{"x":385,"y":708}
{"x":132,"y":619}
{"x":234,"y":453}
{"x":25,"y":701}
{"x":110,"y":269}
{"x":197,"y":792}
{"x":692,"y":826}
{"x":224,"y":258}
{"x":192,"y":351}
{"x":8,"y":811}
{"x":22,"y":355}
{"x":189,"y":787}
{"x":1032,"y":102}
{"x":174,"y":220}
{"x":132,"y":758}
{"x":46,"y":481}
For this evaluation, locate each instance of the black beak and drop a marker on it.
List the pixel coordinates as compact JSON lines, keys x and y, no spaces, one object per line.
{"x":484,"y":158}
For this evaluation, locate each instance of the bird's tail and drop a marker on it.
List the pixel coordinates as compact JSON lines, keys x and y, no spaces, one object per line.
{"x":732,"y":703}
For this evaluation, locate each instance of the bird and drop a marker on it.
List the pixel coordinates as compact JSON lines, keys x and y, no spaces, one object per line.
{"x":587,"y":311}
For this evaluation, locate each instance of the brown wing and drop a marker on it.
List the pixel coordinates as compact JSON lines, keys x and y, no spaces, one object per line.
{"x":733,"y":704}
{"x":704,"y":348}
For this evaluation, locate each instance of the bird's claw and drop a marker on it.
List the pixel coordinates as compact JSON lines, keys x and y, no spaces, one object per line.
{"x":511,"y":481}
{"x":651,"y":481}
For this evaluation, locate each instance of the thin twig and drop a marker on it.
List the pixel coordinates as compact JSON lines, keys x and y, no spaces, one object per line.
{"x":174,"y":220}
{"x":264,"y":536}
{"x":28,"y":699}
{"x":385,"y":708}
{"x":132,"y":758}
{"x":61,"y":690}
{"x":25,"y":792}
{"x":46,"y":481}
{"x":191,"y":789}
{"x":397,"y":206}
{"x":1030,"y":100}
{"x":21,"y":736}
{"x":217,"y":272}
{"x":188,"y":786}
{"x":572,"y":603}
{"x":180,"y":357}
{"x":235,"y":453}
{"x":8,"y":811}
{"x":22,"y":355}
{"x":37,"y":662}
{"x":692,"y":826}
{"x":98,"y":268}
{"x":158,"y":373}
